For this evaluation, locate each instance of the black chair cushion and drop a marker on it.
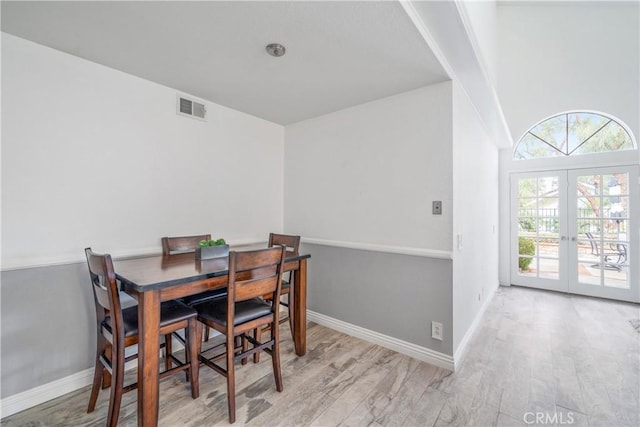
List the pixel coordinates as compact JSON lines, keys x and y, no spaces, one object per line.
{"x":285,"y":284}
{"x":170,"y":312}
{"x":204,"y":296}
{"x":216,"y":310}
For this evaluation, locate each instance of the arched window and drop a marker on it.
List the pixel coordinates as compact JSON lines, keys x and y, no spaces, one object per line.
{"x":571,"y":134}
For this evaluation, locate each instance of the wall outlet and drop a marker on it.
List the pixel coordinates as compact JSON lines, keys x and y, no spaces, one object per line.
{"x":436,"y":207}
{"x":436,"y":330}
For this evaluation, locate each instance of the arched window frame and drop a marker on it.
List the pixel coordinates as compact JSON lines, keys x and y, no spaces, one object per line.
{"x":557,"y":153}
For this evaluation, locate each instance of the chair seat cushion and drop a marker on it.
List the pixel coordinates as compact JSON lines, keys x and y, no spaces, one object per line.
{"x":285,"y":285}
{"x":204,"y":296}
{"x":170,"y":312}
{"x":245,"y":311}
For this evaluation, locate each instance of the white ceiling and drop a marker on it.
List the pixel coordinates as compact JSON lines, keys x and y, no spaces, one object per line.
{"x":339,"y":54}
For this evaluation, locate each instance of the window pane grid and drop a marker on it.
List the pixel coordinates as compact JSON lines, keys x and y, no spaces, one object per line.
{"x":574,"y":133}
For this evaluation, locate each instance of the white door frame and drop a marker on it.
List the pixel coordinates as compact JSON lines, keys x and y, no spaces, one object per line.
{"x":554,"y":284}
{"x":632,"y":293}
{"x":568,"y":276}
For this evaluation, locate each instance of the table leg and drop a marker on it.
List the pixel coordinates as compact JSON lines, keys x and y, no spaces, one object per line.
{"x":300,"y":308}
{"x":148,"y":355}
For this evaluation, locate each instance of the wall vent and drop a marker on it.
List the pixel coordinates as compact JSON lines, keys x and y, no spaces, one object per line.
{"x":190,"y":108}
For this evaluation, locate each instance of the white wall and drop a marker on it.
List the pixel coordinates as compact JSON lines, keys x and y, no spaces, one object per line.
{"x":368,"y":174}
{"x":475,"y":215}
{"x":554,"y":57}
{"x":504,"y":268}
{"x":93,"y":156}
{"x":481,"y":15}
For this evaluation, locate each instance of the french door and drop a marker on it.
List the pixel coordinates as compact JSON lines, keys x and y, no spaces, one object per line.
{"x":576,"y":231}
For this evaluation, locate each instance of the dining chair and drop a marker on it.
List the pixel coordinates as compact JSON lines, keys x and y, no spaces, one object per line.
{"x":174,"y":245}
{"x":182,"y":244}
{"x":292,"y":244}
{"x":251,"y":275}
{"x":117,"y":328}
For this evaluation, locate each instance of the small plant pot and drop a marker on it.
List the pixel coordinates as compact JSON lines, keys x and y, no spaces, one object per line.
{"x":211,"y":252}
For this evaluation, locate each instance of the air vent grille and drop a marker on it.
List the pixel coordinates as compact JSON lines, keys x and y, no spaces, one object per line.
{"x":189,"y":107}
{"x":199,"y":110}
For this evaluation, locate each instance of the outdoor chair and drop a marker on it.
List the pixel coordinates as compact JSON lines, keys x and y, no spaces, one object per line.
{"x":613,"y":259}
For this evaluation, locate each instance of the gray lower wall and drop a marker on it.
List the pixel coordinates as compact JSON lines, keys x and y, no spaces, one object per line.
{"x":47,"y":325}
{"x":47,"y":313}
{"x":396,"y":295}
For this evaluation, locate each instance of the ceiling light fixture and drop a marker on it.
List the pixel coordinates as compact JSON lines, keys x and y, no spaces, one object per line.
{"x":276,"y":49}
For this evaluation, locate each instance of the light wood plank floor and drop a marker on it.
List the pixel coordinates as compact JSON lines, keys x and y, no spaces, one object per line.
{"x":573,"y":358}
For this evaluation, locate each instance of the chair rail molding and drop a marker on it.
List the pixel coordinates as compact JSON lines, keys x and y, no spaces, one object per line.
{"x":390,"y":249}
{"x":62,"y":259}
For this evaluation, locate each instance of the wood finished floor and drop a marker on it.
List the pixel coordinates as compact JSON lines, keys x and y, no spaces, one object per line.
{"x":574,"y":358}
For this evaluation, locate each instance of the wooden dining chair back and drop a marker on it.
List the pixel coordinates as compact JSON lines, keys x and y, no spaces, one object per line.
{"x":292,"y":244}
{"x":251,"y":275}
{"x":254,"y":273}
{"x":172,"y":245}
{"x":182,"y":244}
{"x":117,"y":328}
{"x":106,"y":294}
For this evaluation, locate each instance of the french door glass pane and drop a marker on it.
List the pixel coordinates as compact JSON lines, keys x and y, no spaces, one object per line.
{"x":549,"y":248}
{"x":549,"y":268}
{"x":538,"y":227}
{"x":548,"y":185}
{"x":614,"y":278}
{"x":602,"y":229}
{"x":527,"y":187}
{"x":548,"y":226}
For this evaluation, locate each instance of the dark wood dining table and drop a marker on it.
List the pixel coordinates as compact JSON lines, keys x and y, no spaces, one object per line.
{"x":154,"y":279}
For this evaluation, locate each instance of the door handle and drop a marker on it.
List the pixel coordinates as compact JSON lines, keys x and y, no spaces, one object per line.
{"x":563,"y":238}
{"x":573,"y":239}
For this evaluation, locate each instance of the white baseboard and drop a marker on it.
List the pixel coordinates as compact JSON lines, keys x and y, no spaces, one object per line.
{"x":461,"y":351}
{"x":37,"y":395}
{"x":43,"y":393}
{"x":417,"y":352}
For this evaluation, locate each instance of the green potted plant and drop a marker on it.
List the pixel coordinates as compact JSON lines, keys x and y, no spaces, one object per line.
{"x":209,"y":249}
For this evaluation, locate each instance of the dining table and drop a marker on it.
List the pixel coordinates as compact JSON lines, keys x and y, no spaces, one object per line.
{"x":154,"y":279}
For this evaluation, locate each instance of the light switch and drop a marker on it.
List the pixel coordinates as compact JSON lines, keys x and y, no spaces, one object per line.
{"x":437,"y":207}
